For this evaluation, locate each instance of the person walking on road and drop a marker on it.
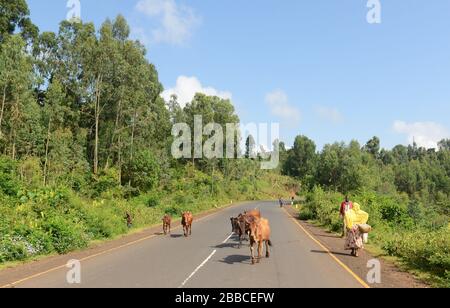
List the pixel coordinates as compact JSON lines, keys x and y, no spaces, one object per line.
{"x":346,"y":206}
{"x":281,"y":202}
{"x":355,"y":220}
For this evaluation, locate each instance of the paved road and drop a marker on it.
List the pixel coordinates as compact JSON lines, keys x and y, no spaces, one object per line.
{"x":211,"y":259}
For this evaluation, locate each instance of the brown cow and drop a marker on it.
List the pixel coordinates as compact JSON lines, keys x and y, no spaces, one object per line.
{"x":259,"y":233}
{"x":186,"y":221}
{"x":167,"y":221}
{"x":249,"y":215}
{"x":255,"y":213}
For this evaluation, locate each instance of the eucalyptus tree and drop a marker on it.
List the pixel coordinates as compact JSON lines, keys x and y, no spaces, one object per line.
{"x":17,"y":106}
{"x":14,"y":16}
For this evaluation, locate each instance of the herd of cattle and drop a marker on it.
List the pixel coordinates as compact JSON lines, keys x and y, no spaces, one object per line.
{"x":247,"y":226}
{"x":256,"y":228}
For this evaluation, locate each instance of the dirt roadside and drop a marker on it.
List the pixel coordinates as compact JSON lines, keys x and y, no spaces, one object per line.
{"x":391,"y":275}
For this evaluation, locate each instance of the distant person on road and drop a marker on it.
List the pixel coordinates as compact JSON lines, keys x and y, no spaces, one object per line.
{"x":345,"y":207}
{"x":292,"y":200}
{"x":281,"y":202}
{"x":129,"y":220}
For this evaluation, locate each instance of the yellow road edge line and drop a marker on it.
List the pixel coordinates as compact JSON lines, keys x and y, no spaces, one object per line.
{"x":345,"y":267}
{"x":10,"y":285}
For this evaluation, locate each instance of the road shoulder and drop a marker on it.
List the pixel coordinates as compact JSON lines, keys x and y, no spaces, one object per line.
{"x":391,"y":275}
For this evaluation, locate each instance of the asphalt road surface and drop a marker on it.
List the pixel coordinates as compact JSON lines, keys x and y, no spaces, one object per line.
{"x":210,"y":258}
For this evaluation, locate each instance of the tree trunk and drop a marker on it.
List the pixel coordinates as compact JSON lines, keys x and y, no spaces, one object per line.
{"x":15,"y":121}
{"x":120,"y":159}
{"x":2,"y":109}
{"x":13,"y":148}
{"x":97,"y":121}
{"x":46,"y":152}
{"x":132,"y":135}
{"x":212,"y":179}
{"x":116,"y":125}
{"x":132,"y":140}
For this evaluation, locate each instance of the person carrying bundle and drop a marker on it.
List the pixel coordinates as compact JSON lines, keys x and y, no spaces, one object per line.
{"x":356,"y":224}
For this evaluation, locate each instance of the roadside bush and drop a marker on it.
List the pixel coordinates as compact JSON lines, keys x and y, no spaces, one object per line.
{"x":423,"y":249}
{"x":12,"y":248}
{"x":9,"y":183}
{"x":306,"y":213}
{"x":43,"y":197}
{"x":143,"y":172}
{"x":65,"y":235}
{"x":30,"y":170}
{"x":102,"y":222}
{"x":153,"y":201}
{"x":323,"y":206}
{"x":107,"y":180}
{"x":173,"y":210}
{"x":183,"y":199}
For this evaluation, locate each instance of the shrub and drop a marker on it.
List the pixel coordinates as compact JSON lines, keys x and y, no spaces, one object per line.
{"x":423,"y":249}
{"x":108,"y":180}
{"x":306,"y":213}
{"x":12,"y":248}
{"x":9,"y":183}
{"x":53,"y":197}
{"x":65,"y":235}
{"x":101,"y":223}
{"x":183,"y":199}
{"x":142,"y":172}
{"x":30,"y":169}
{"x":152,"y":201}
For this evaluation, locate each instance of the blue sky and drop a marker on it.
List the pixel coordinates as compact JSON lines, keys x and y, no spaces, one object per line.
{"x":317,"y":67}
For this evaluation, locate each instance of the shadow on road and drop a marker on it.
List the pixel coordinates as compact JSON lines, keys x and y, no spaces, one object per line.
{"x":333,"y":252}
{"x":236,"y":259}
{"x":176,"y":235}
{"x":227,"y":245}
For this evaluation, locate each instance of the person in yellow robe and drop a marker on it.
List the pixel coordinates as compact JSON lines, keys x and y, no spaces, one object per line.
{"x":353,"y":219}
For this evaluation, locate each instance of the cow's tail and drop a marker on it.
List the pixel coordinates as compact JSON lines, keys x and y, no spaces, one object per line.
{"x":270,"y":243}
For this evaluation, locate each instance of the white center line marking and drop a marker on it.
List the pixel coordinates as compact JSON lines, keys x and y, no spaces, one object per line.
{"x":227,"y":238}
{"x":197,"y":269}
{"x":203,"y":263}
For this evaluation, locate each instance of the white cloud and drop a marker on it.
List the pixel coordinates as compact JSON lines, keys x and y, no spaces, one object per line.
{"x":425,"y":134}
{"x":187,"y":87}
{"x":177,"y":22}
{"x":278,"y":102}
{"x":329,"y":114}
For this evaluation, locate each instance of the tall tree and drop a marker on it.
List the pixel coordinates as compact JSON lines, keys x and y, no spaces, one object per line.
{"x":250,"y":147}
{"x":373,"y":147}
{"x":15,"y":15}
{"x":54,"y":113}
{"x":17,"y":110}
{"x":212,"y":109}
{"x":444,"y":145}
{"x":301,"y":159}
